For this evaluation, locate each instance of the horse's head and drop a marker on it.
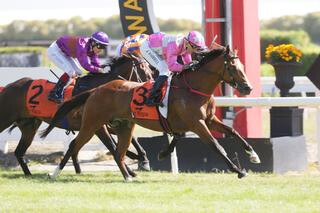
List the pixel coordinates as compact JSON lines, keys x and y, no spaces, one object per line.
{"x":234,"y":72}
{"x":131,"y":69}
{"x":230,"y":69}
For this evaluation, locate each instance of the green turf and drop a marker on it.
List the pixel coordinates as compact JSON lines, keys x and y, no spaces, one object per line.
{"x":159,"y":192}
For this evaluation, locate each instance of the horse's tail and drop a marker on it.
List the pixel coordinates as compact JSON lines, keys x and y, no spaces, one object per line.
{"x":64,"y":109}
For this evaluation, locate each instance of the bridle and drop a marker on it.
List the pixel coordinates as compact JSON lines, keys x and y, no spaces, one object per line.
{"x":229,"y":68}
{"x":134,"y":70}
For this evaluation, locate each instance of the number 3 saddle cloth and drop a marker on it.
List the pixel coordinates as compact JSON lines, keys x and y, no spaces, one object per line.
{"x":138,"y":108}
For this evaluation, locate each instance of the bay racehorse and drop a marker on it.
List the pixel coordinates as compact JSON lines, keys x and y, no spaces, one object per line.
{"x":191,"y":108}
{"x":13,"y":110}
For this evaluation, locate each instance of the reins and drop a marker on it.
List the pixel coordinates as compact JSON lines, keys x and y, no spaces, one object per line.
{"x":134,"y":70}
{"x":193,"y":90}
{"x":227,"y":68}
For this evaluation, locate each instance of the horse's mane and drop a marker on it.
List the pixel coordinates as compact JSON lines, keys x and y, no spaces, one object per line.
{"x":118,"y":61}
{"x":210,"y":55}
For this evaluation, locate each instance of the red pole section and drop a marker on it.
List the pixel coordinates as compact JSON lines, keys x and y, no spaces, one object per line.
{"x":245,"y":37}
{"x":245,"y":30}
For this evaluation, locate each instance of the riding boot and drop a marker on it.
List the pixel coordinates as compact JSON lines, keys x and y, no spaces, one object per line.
{"x":154,"y":99}
{"x":56,"y":94}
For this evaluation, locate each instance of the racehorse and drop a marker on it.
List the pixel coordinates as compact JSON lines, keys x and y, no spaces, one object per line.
{"x":13,"y":109}
{"x":191,"y":108}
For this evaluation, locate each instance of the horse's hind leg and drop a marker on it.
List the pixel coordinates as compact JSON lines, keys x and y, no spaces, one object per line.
{"x":203,"y":132}
{"x":124,"y":139}
{"x":85,"y":134}
{"x":217,"y":125}
{"x":76,"y":163}
{"x":109,"y":142}
{"x":92,"y":121}
{"x":28,"y":130}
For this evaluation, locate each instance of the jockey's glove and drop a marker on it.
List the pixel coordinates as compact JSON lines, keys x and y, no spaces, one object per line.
{"x":193,"y":65}
{"x":106,"y":69}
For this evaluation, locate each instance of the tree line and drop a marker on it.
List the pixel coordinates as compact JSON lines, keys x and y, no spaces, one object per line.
{"x":20,"y":30}
{"x":52,"y":29}
{"x":309,"y":23}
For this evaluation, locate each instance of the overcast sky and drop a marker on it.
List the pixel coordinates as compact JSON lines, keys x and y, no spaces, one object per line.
{"x":191,"y":9}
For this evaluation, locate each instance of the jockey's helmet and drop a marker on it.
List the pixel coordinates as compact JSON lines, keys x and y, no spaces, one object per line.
{"x":100,"y":40}
{"x":196,"y":41}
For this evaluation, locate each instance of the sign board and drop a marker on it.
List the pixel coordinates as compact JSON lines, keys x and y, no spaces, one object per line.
{"x":137,"y":17}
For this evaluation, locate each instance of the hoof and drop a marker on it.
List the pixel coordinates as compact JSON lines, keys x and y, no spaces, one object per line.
{"x":242,"y":174}
{"x":254,"y":158}
{"x":128,"y":180}
{"x":51,"y":176}
{"x":144,"y":166}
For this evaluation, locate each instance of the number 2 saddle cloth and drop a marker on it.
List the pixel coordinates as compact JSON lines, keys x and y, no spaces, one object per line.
{"x":37,"y":98}
{"x":138,"y":108}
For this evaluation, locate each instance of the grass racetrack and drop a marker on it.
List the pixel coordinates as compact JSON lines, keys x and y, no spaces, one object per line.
{"x":159,"y":192}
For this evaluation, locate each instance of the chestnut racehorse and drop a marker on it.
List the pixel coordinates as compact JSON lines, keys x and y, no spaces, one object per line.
{"x":13,"y":109}
{"x":191,"y":108}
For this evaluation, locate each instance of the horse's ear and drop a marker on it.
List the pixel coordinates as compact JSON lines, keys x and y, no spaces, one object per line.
{"x":236,"y":51}
{"x":227,"y":49}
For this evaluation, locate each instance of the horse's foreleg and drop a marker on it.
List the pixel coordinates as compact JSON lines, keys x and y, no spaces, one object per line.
{"x":217,"y":125}
{"x":28,"y":130}
{"x":203,"y":132}
{"x":143,"y":161}
{"x":124,"y":139}
{"x":109,"y":142}
{"x":85,"y":134}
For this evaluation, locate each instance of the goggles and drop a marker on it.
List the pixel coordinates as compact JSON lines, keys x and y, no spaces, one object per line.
{"x":194,"y":46}
{"x":99,"y":46}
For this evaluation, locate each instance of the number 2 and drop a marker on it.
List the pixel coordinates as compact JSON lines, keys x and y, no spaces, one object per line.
{"x":32,"y":98}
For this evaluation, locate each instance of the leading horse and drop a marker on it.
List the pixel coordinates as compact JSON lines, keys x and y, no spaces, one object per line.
{"x":191,"y":108}
{"x":13,"y":110}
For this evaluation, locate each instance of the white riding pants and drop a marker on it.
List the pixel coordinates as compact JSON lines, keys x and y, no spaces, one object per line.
{"x":154,"y":59}
{"x":65,"y":63}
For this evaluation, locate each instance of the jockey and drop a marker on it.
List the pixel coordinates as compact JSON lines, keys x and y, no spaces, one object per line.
{"x":67,"y":49}
{"x":162,"y":51}
{"x":131,"y":45}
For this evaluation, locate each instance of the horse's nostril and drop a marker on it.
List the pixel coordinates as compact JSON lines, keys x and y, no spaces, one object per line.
{"x":247,"y":88}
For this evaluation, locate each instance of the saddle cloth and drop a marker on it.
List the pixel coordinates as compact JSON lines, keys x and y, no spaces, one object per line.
{"x":141,"y":111}
{"x":37,"y":98}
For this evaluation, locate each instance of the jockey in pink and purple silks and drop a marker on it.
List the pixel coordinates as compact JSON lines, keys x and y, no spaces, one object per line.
{"x":70,"y":51}
{"x":162,"y":50}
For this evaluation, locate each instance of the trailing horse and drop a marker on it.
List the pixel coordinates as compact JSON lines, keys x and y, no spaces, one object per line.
{"x":14,"y":111}
{"x":191,"y":108}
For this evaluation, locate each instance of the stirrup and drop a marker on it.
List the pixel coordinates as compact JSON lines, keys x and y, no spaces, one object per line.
{"x":55,"y":99}
{"x":152,"y":102}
